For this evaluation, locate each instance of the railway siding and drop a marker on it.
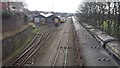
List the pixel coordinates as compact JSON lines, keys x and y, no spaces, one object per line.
{"x":39,"y":41}
{"x":13,"y":45}
{"x":59,"y":50}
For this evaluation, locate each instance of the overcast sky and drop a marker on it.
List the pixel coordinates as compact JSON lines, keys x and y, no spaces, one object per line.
{"x":53,"y":5}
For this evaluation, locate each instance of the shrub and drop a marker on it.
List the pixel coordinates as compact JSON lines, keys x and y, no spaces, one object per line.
{"x":6,"y":14}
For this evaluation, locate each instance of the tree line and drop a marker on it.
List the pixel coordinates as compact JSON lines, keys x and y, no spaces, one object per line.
{"x":102,"y":15}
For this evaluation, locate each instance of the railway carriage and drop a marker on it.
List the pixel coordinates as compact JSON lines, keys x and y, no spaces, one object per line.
{"x":113,"y":49}
{"x":62,"y":19}
{"x":101,"y":36}
{"x":109,"y":43}
{"x":56,"y":21}
{"x":97,"y":55}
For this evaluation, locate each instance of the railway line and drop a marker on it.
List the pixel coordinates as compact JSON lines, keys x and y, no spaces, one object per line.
{"x":36,"y":44}
{"x":58,"y":51}
{"x":69,"y":44}
{"x":65,"y":54}
{"x":80,"y":59}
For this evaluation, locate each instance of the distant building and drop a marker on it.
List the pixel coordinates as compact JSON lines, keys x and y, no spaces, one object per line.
{"x":38,"y":19}
{"x":16,"y":6}
{"x":50,"y":19}
{"x":13,"y":6}
{"x":4,"y":5}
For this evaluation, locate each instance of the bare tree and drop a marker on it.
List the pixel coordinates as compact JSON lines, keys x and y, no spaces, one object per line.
{"x":102,"y":15}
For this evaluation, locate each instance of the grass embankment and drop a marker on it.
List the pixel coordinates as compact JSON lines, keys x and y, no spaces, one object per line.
{"x":15,"y":31}
{"x":24,"y":43}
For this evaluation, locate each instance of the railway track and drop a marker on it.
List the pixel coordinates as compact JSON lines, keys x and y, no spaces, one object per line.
{"x":66,"y":52}
{"x":36,"y":44}
{"x":64,"y":60}
{"x":56,"y":56}
{"x":59,"y":49}
{"x":80,"y":59}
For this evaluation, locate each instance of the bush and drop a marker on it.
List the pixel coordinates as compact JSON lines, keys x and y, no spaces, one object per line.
{"x":6,"y":14}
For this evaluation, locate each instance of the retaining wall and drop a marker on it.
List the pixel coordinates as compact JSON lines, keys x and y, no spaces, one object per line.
{"x":13,"y":45}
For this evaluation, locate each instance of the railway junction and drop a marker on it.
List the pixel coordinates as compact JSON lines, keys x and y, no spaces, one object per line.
{"x":66,"y":45}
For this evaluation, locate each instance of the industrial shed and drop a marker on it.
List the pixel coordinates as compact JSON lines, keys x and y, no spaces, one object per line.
{"x":39,"y":19}
{"x":50,"y":18}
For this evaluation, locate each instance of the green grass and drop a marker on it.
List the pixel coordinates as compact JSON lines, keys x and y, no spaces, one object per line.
{"x":13,"y":32}
{"x":105,"y":26}
{"x":35,"y":30}
{"x":113,"y":32}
